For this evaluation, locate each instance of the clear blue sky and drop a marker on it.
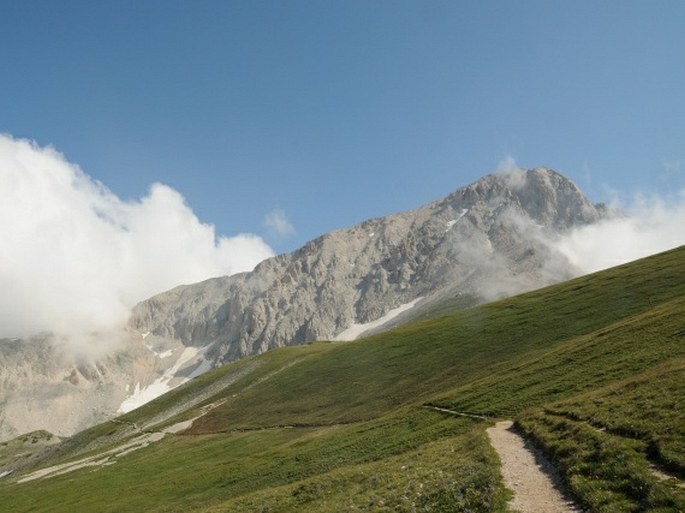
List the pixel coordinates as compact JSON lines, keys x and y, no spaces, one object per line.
{"x":338,"y":111}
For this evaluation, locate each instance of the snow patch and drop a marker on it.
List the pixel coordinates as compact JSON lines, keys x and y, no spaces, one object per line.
{"x":140,"y":397}
{"x":354,"y":331}
{"x":204,"y":366}
{"x":451,"y":223}
{"x":162,"y":385}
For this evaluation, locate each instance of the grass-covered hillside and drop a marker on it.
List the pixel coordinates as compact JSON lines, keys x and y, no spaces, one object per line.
{"x":592,"y":370}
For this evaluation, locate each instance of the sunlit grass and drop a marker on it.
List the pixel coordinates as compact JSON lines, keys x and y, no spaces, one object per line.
{"x":330,"y":426}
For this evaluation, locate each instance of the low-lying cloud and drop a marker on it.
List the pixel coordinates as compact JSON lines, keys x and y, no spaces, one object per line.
{"x":646,"y":225}
{"x":650,"y":224}
{"x":74,"y":257}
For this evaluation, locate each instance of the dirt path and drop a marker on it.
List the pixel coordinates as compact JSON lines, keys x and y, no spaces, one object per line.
{"x":527,"y":474}
{"x":452,"y":412}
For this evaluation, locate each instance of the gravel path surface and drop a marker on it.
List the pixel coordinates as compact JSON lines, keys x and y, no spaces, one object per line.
{"x":531,"y":478}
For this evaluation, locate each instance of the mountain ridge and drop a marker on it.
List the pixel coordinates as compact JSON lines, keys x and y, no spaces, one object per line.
{"x":441,"y":248}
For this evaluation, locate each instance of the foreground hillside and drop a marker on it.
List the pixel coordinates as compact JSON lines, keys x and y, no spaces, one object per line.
{"x":592,"y":370}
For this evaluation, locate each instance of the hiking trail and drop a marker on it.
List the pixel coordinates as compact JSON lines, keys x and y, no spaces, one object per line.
{"x":528,"y":474}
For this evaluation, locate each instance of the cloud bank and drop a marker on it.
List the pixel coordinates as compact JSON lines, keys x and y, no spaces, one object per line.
{"x":74,"y":257}
{"x":650,"y":225}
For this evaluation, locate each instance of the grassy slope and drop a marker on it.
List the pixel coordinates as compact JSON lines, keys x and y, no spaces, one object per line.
{"x":341,"y":427}
{"x":26,"y":447}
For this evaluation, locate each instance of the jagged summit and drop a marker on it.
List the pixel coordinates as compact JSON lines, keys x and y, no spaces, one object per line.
{"x":548,"y":197}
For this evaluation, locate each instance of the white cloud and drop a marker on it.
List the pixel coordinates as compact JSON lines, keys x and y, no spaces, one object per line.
{"x":277,"y":222}
{"x":651,"y":225}
{"x":507,"y":164}
{"x":74,"y":257}
{"x":514,"y":175}
{"x":672,"y":167}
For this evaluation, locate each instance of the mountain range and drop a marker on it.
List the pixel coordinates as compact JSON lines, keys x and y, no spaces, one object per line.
{"x":488,"y":240}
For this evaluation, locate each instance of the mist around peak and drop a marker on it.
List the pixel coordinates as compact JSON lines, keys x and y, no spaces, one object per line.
{"x":643,"y":225}
{"x":646,"y":225}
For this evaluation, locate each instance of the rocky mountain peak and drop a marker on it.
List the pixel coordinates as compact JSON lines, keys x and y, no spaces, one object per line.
{"x":547,"y":197}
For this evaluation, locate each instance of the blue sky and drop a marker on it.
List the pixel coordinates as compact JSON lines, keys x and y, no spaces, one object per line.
{"x":334,"y":112}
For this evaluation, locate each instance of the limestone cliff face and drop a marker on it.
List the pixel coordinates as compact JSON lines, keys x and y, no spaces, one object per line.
{"x":484,"y":241}
{"x":40,"y":388}
{"x":487,"y":240}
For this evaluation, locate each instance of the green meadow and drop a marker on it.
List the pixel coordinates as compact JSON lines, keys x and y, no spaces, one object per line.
{"x":591,"y":370}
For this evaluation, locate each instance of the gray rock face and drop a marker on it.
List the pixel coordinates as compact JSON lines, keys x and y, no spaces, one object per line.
{"x":490,"y":239}
{"x":486,"y":240}
{"x":44,"y":387}
{"x":40,"y":388}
